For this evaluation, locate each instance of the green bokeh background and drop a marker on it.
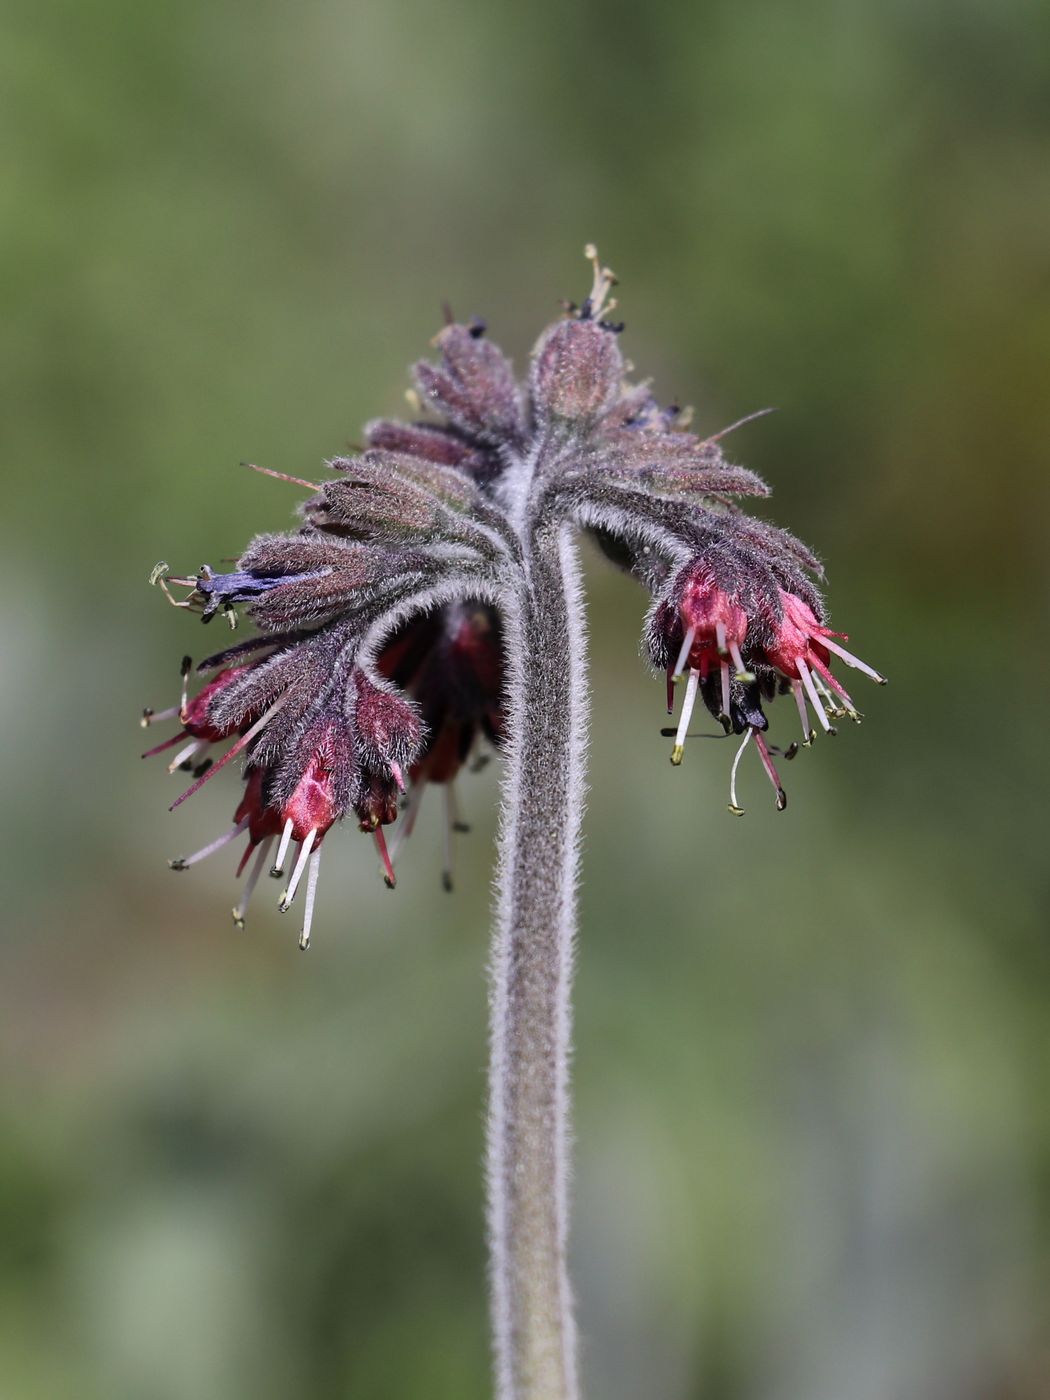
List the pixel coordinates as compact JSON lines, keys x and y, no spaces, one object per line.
{"x":813,"y":1126}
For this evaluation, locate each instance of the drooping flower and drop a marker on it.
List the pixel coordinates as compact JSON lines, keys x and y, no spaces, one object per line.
{"x":801,"y":650}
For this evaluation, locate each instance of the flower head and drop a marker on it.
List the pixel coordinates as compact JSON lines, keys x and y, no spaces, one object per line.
{"x":380,"y":659}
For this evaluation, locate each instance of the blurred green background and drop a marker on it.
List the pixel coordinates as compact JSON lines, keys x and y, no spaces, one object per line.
{"x":813,"y":1126}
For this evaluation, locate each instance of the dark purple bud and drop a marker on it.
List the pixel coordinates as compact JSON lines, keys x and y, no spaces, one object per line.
{"x":389,"y":729}
{"x":473,"y":387}
{"x":676,"y":464}
{"x":577,"y":372}
{"x":432,"y":444}
{"x":375,"y":504}
{"x":376,"y":803}
{"x":398,"y":470}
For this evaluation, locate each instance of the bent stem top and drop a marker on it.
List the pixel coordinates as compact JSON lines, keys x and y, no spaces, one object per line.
{"x":428,"y":606}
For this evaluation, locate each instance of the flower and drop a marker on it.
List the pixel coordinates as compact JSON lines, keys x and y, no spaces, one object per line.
{"x":781,"y":646}
{"x":801,"y":651}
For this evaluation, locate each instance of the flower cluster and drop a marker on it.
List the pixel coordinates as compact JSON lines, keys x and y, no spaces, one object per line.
{"x":379,"y":660}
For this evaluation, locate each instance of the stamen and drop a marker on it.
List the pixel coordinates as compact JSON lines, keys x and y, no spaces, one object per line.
{"x":604,"y":281}
{"x":670,"y":690}
{"x":157,"y":716}
{"x":824,"y":677}
{"x":258,"y":866}
{"x":831,"y":701}
{"x":311,"y":895}
{"x":724,"y":668}
{"x":733,"y":806}
{"x":238,"y":747}
{"x":852,"y":660}
{"x":184,"y":754}
{"x":158,"y":575}
{"x":683,"y":655}
{"x":814,"y":698}
{"x":738,"y":661}
{"x":678,"y":752}
{"x":384,"y":856}
{"x":297,"y":873}
{"x":771,"y":772}
{"x":184,"y":862}
{"x":398,"y":776}
{"x":808,"y":734}
{"x":277,"y":869}
{"x":184,"y":672}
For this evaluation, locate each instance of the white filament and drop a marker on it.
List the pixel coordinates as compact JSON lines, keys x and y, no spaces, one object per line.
{"x":732,"y":775}
{"x":282,"y":849}
{"x":297,"y":873}
{"x":253,"y":879}
{"x":311,"y":895}
{"x":687,"y":709}
{"x":683,"y":655}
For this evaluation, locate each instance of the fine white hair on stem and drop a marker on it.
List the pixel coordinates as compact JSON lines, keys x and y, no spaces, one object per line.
{"x":531,"y":975}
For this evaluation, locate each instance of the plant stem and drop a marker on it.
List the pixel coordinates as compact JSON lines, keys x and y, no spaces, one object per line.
{"x":531,"y":972}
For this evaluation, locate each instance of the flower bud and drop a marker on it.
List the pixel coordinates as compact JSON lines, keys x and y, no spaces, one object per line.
{"x":474,"y":386}
{"x":577,"y":371}
{"x":389,"y":728}
{"x":377,"y":803}
{"x":195,"y":714}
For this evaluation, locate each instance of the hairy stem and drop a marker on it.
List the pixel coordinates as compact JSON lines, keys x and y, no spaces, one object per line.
{"x":531,"y":972}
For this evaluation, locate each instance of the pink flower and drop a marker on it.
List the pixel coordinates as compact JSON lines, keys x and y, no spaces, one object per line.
{"x":801,"y":651}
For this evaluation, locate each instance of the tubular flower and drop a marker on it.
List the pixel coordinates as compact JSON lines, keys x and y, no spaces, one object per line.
{"x":383,"y":623}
